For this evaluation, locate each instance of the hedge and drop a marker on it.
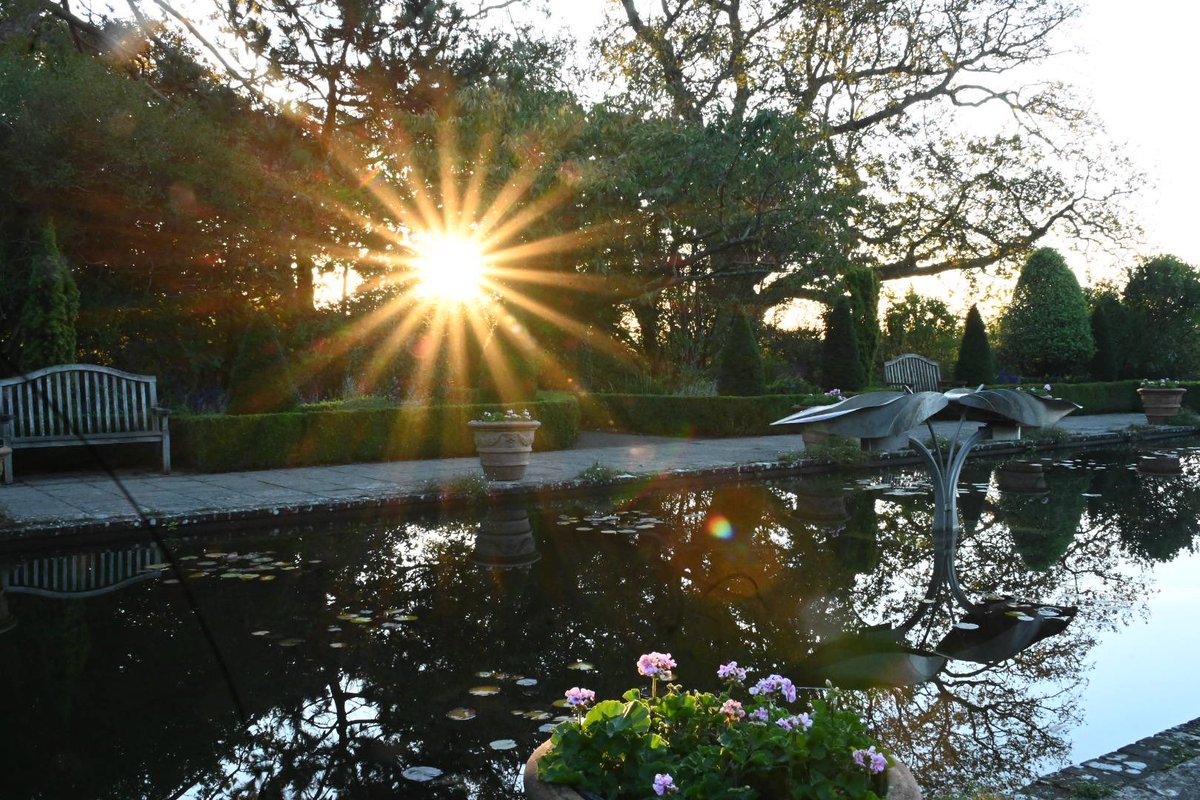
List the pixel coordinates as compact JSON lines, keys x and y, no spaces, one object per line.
{"x":223,"y":442}
{"x":672,"y":415}
{"x":1118,"y":397}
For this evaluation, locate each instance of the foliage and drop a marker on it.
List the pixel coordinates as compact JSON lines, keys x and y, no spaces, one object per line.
{"x":1106,"y":362}
{"x":841,"y":362}
{"x":739,"y":365}
{"x":260,"y":380}
{"x":1045,"y":331}
{"x":975,"y":364}
{"x":47,"y":325}
{"x":1162,"y":303}
{"x":841,"y":450}
{"x":1044,"y":525}
{"x":222,"y":443}
{"x":862,"y":286}
{"x":921,"y":325}
{"x":597,"y":474}
{"x":674,"y":415}
{"x":505,"y":415}
{"x":1119,"y":397}
{"x":702,"y":745}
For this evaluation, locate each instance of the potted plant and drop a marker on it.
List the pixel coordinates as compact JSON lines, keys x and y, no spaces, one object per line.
{"x":504,"y":441}
{"x":703,"y":745}
{"x":1161,"y":399}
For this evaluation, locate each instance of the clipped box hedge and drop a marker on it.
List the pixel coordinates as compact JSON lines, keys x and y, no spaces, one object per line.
{"x":1117,"y":397}
{"x":224,"y":442}
{"x":673,"y":415}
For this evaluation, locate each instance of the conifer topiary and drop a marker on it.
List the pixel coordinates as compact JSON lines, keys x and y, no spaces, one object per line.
{"x":50,"y":308}
{"x":260,"y":379}
{"x":975,"y":364}
{"x":863,"y":285}
{"x":1045,"y":331}
{"x":841,"y":365}
{"x":739,"y":364}
{"x":1105,"y":362}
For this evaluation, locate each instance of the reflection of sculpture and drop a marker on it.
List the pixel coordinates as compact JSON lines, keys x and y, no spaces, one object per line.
{"x":505,"y":539}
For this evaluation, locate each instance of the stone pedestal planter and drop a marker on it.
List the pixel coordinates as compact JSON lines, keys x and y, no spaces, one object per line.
{"x":901,"y":784}
{"x":1161,"y":404}
{"x":504,"y":447}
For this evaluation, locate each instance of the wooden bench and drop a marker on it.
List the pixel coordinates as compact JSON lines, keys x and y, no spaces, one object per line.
{"x":914,"y":372}
{"x":76,"y":404}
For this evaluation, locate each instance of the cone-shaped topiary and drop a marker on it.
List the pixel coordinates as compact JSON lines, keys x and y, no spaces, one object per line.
{"x":1105,"y":362}
{"x":863,"y":285}
{"x":975,"y":363}
{"x":260,"y":380}
{"x":50,"y":308}
{"x":841,"y":367}
{"x":1045,"y":331}
{"x":739,"y":364}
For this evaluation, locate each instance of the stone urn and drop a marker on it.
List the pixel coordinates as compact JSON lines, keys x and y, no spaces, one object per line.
{"x":1161,"y":404}
{"x":900,"y":782}
{"x":504,"y":447}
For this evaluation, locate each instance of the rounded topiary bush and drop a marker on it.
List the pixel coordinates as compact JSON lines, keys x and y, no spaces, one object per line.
{"x":739,"y":365}
{"x":975,"y":364}
{"x":1162,"y":303}
{"x":1046,"y":330}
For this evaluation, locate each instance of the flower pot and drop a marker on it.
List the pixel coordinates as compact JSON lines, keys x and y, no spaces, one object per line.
{"x":900,"y":781}
{"x":1161,"y":404}
{"x":504,"y":447}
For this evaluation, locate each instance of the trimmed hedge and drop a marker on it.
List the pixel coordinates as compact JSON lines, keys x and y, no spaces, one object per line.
{"x":223,"y":443}
{"x":672,"y":415}
{"x":1118,"y":397}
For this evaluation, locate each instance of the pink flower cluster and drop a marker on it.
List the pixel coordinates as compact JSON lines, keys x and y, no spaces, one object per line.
{"x":731,"y":673}
{"x":733,"y":710}
{"x":773,"y":685}
{"x":795,"y":722}
{"x":664,"y":784}
{"x":875,"y":762}
{"x":656,"y":665}
{"x":579,"y":697}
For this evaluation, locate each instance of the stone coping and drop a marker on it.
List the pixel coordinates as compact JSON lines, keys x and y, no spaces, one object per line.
{"x":58,"y":532}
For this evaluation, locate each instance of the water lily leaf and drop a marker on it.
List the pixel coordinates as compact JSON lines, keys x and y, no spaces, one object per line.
{"x":484,"y":673}
{"x":346,"y":617}
{"x":538,"y":716}
{"x":421,"y":774}
{"x":483,"y":691}
{"x":290,"y":642}
{"x":150,"y":567}
{"x":548,"y":727}
{"x":561,"y":703}
{"x":461,"y":713}
{"x":405,"y":617}
{"x":337,"y":645}
{"x":259,"y":633}
{"x":967,"y":626}
{"x":502,"y":744}
{"x":171,"y":580}
{"x":582,"y":666}
{"x":266,"y":577}
{"x":360,"y":620}
{"x":196,"y":575}
{"x":527,"y":682}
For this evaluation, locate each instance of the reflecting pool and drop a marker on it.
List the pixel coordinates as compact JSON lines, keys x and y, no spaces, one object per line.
{"x":422,"y":655}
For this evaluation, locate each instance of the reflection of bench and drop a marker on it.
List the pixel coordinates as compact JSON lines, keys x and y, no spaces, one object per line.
{"x":76,"y":404}
{"x":82,"y":574}
{"x":914,"y":372}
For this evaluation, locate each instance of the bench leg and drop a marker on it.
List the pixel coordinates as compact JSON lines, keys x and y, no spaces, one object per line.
{"x":166,"y":453}
{"x":8,"y":473}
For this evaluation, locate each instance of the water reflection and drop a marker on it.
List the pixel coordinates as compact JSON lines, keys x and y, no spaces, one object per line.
{"x":363,"y":650}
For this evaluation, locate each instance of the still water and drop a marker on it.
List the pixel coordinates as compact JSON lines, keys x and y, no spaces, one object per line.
{"x":334,"y":660}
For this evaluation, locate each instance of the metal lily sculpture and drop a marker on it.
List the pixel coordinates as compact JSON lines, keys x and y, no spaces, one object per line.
{"x":883,"y":416}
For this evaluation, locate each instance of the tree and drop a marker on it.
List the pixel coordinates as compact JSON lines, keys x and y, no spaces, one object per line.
{"x":863,"y":287}
{"x":740,"y":365}
{"x":922,"y":325}
{"x":841,"y":365}
{"x":260,"y":380}
{"x":1162,"y":301}
{"x":975,"y":363}
{"x":1045,"y":331}
{"x":47,"y":326}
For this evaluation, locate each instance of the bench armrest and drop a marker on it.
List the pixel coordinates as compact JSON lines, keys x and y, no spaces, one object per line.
{"x":162,"y":412}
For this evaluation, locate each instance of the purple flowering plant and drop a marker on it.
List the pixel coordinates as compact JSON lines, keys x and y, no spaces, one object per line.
{"x":766,"y":741}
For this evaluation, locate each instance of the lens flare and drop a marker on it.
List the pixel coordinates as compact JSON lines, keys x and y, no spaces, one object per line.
{"x":719,"y":527}
{"x":449,"y":269}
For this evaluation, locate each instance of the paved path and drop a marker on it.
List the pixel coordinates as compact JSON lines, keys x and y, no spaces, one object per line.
{"x":81,"y":500}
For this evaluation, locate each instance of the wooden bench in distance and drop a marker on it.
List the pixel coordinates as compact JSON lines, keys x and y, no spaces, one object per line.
{"x":913,"y":371}
{"x":76,"y":404}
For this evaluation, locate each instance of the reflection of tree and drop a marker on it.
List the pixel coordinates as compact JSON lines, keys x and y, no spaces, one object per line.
{"x":1156,"y":517}
{"x":330,"y":721}
{"x":1042,"y":525}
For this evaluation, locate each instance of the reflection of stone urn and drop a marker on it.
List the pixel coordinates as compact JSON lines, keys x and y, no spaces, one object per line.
{"x":1160,"y":464}
{"x":1021,"y":477}
{"x":822,"y":503}
{"x":505,"y":539}
{"x":1161,"y":404}
{"x":504,"y":447}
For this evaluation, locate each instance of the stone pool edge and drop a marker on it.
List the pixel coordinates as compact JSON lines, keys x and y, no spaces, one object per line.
{"x":55,"y":532}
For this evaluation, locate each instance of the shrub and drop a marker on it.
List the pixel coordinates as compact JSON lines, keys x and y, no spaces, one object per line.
{"x":975,"y":363}
{"x":672,"y":415}
{"x":222,"y":442}
{"x":862,"y":283}
{"x":1106,"y":361}
{"x":921,"y":325}
{"x":739,"y":365}
{"x":1045,"y":331}
{"x":841,"y":361}
{"x":260,"y":381}
{"x":50,"y":309}
{"x":1162,"y":300}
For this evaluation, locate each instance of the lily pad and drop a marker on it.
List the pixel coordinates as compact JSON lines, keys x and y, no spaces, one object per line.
{"x":461,"y":714}
{"x":527,"y":682}
{"x":582,"y":666}
{"x":483,"y":691}
{"x":502,"y":744}
{"x":421,"y":774}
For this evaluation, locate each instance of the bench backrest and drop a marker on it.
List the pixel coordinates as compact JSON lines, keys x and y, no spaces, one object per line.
{"x":79,"y":399}
{"x":917,"y":372}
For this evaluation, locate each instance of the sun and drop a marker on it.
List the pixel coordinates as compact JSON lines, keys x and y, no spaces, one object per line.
{"x":449,"y":269}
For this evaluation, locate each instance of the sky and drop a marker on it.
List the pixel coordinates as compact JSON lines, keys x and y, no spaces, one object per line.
{"x":1136,"y":63}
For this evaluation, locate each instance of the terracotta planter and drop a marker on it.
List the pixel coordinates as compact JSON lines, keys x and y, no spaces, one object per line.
{"x":1161,"y":404}
{"x":504,"y":447}
{"x":901,"y":783}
